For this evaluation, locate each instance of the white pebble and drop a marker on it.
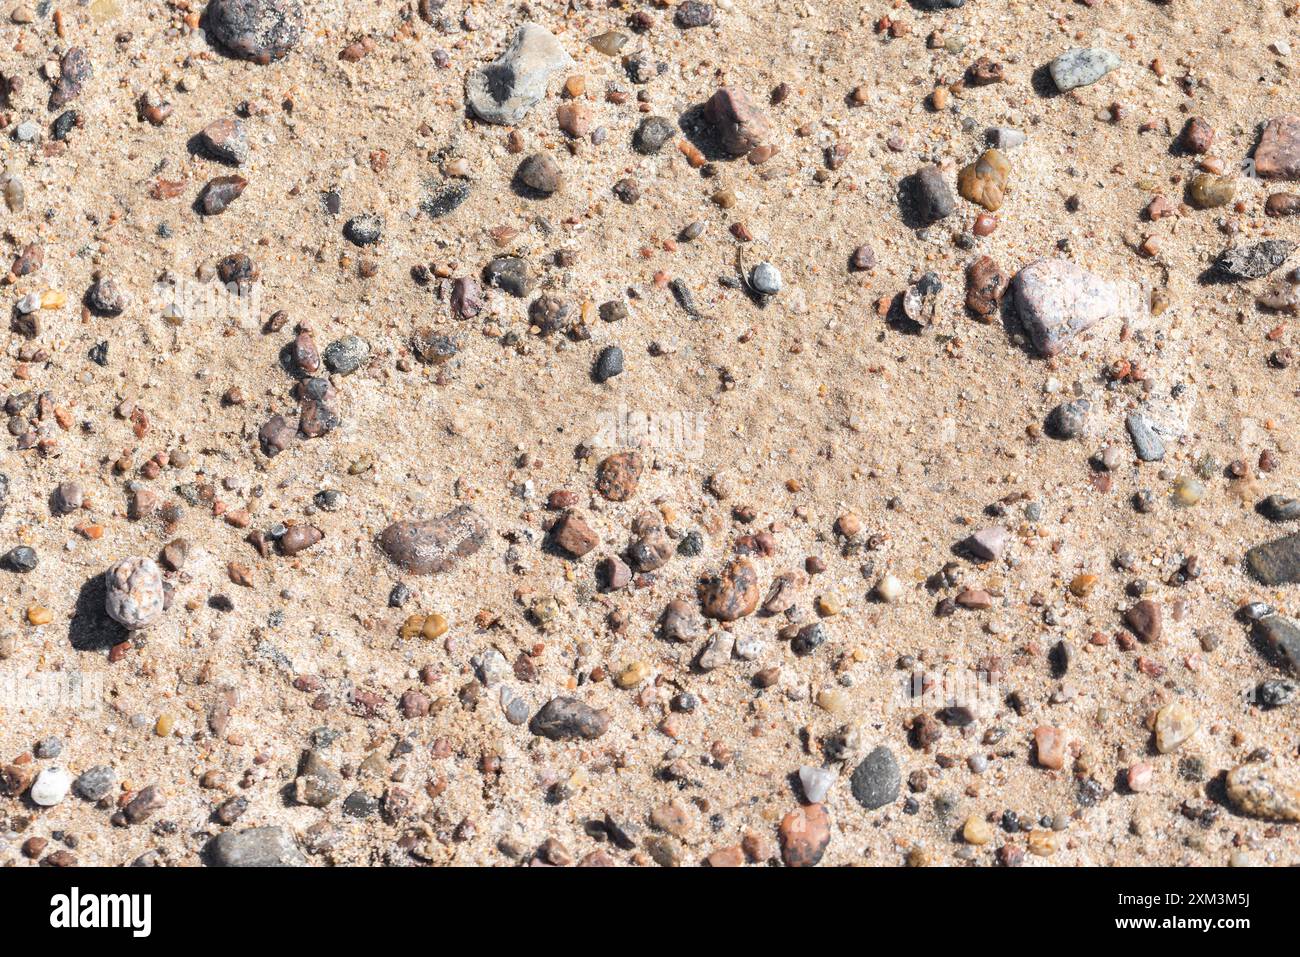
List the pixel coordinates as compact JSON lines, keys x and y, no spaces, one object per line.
{"x":51,"y":786}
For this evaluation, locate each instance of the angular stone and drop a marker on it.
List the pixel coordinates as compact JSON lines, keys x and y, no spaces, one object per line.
{"x":1278,"y":154}
{"x":1254,"y":261}
{"x":564,"y":719}
{"x":930,"y":195}
{"x":1081,"y":66}
{"x":716,"y":651}
{"x":1146,"y":441}
{"x":1056,"y":300}
{"x":432,"y":547}
{"x":1174,"y":724}
{"x":1049,"y":747}
{"x":572,"y":533}
{"x":256,"y":847}
{"x":984,"y":182}
{"x":1145,"y":619}
{"x":682,"y":621}
{"x":1276,"y":562}
{"x":738,"y":123}
{"x":1264,"y":792}
{"x":506,"y":90}
{"x":816,"y":783}
{"x":226,"y":139}
{"x":732,"y":594}
{"x":985,"y":285}
{"x":876,"y":780}
{"x":988,"y":543}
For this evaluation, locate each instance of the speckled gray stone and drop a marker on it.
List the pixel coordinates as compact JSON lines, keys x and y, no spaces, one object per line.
{"x":1056,"y":300}
{"x":256,"y":847}
{"x":1146,"y":441}
{"x":1081,"y":66}
{"x":876,"y":781}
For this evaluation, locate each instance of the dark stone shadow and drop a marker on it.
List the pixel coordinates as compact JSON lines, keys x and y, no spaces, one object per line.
{"x":898,"y":320}
{"x":1042,"y":83}
{"x":91,"y":628}
{"x":908,"y":188}
{"x":1014,"y":329}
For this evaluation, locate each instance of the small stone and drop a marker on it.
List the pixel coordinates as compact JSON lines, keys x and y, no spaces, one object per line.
{"x":1207,"y":191}
{"x":226,"y":139}
{"x":256,"y":847}
{"x":574,"y":119}
{"x":716,"y":652}
{"x":652,"y":134}
{"x":977,"y":830}
{"x":876,"y":780}
{"x":572,"y":533}
{"x":816,"y":783}
{"x":984,"y":181}
{"x":618,"y":475}
{"x":805,"y":833}
{"x":1252,"y":262}
{"x":509,"y":274}
{"x":889,"y":589}
{"x":317,"y":784}
{"x":345,"y":356}
{"x":1139,"y":776}
{"x":363,"y":230}
{"x":1081,"y":67}
{"x":74,"y":70}
{"x":738,"y":123}
{"x":539,"y":173}
{"x":1146,"y":441}
{"x":863,"y":259}
{"x":134,"y":592}
{"x":682,"y":621}
{"x":1174,"y":724}
{"x":219,"y":193}
{"x":1278,"y":154}
{"x":257,"y":30}
{"x":1282,"y":204}
{"x":299,"y":538}
{"x":930,"y":195}
{"x":1279,"y":638}
{"x":765,"y":279}
{"x":50,"y":787}
{"x":988,"y":544}
{"x":608,"y":364}
{"x":1056,"y":300}
{"x":1004,"y":137}
{"x":436,"y":546}
{"x":68,"y":497}
{"x":1197,"y":136}
{"x":1276,"y":562}
{"x":1145,"y":619}
{"x":731,"y":594}
{"x":506,"y":90}
{"x":94,"y":783}
{"x":444,"y":199}
{"x":985,"y":285}
{"x":567,"y":719}
{"x":1264,"y":792}
{"x":921,"y":300}
{"x":1069,"y":420}
{"x":1049,"y":747}
{"x":21,"y":559}
{"x":692,"y":13}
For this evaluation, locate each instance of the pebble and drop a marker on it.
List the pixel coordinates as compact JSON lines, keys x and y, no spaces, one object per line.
{"x":1280,"y":508}
{"x":1265,"y":792}
{"x":509,"y":274}
{"x":434,"y":546}
{"x":95,"y":783}
{"x":987,"y":544}
{"x":738,"y":123}
{"x":608,"y":364}
{"x":816,"y":783}
{"x":226,"y":139}
{"x":985,"y":285}
{"x":1174,"y":724}
{"x":256,"y":847}
{"x":805,"y":833}
{"x":506,"y":90}
{"x":50,"y":787}
{"x":567,"y":719}
{"x":930,"y":195}
{"x":765,"y":279}
{"x":1145,"y":619}
{"x":1004,"y":137}
{"x":539,"y":173}
{"x":1049,"y":747}
{"x":1279,"y":638}
{"x":134,"y":593}
{"x":345,"y":356}
{"x":984,"y":182}
{"x":574,"y":534}
{"x":1197,"y":136}
{"x":1254,"y":261}
{"x":1056,"y":300}
{"x":1069,"y":420}
{"x":1146,"y":441}
{"x":1207,"y":191}
{"x":876,"y":780}
{"x":363,"y":230}
{"x":1276,"y":562}
{"x":731,"y":594}
{"x":652,"y":133}
{"x":1282,"y":204}
{"x":1277,"y":156}
{"x":21,"y":559}
{"x":692,"y":13}
{"x":618,"y":476}
{"x":1081,"y":67}
{"x":219,"y":193}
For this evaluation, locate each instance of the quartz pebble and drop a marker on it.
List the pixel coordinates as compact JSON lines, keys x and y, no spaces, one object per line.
{"x":1081,"y":67}
{"x":506,"y":90}
{"x":134,"y":592}
{"x":1056,"y":300}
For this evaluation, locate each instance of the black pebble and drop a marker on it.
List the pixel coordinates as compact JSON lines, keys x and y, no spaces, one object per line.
{"x":608,"y":364}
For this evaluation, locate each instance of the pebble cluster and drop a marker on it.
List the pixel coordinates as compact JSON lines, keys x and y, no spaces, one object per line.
{"x":602,"y":440}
